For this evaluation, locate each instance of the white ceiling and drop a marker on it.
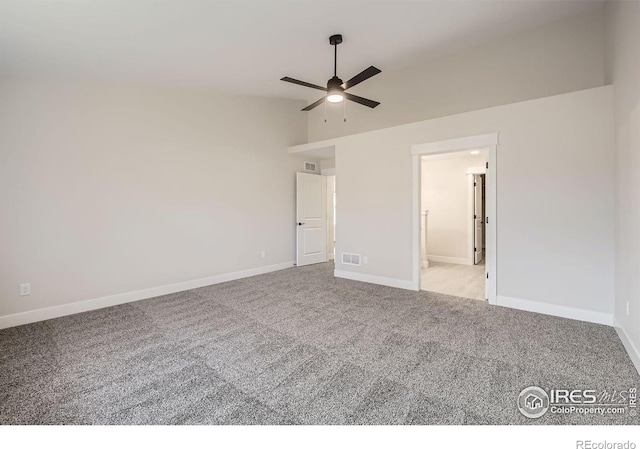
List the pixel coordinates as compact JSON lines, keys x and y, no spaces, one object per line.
{"x":243,"y":46}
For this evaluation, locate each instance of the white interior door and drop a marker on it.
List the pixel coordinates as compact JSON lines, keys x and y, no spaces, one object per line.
{"x":478,"y":215}
{"x":311,"y":216}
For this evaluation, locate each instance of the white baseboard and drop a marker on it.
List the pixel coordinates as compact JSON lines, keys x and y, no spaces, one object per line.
{"x":556,"y":310}
{"x":632,"y":350}
{"x":445,"y":259}
{"x":32,"y":316}
{"x":389,"y":282}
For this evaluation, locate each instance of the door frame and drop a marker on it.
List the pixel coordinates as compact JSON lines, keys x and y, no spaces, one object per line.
{"x":489,"y":142}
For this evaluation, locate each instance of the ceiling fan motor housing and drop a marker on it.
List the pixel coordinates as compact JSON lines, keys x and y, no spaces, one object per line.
{"x":334,"y":84}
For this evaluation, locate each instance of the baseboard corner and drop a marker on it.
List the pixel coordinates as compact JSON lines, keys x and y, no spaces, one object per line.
{"x":632,"y":350}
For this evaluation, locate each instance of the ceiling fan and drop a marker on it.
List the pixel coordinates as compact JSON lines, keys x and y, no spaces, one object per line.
{"x":335,"y":87}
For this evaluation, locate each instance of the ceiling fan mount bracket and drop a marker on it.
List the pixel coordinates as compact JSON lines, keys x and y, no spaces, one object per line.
{"x":335,"y":39}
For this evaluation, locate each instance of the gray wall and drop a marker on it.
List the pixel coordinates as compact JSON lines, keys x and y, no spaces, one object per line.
{"x":561,"y":57}
{"x":623,"y":70}
{"x":106,"y":190}
{"x":555,"y":191}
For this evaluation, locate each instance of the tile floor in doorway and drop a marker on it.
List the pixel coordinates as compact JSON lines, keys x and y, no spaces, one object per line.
{"x":467,"y":281}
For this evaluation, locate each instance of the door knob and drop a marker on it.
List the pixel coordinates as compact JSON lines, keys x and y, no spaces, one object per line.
{"x":300,"y":224}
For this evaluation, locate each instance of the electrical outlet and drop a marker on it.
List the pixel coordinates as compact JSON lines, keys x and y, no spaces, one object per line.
{"x":25,"y":289}
{"x":365,"y":260}
{"x":627,"y":308}
{"x":263,"y":253}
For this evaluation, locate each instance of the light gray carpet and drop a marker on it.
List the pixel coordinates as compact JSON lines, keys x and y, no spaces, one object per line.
{"x":300,"y":347}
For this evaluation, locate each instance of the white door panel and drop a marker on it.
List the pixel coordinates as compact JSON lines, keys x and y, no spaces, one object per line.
{"x":312,"y":196}
{"x":313,"y":241}
{"x":311,"y":215}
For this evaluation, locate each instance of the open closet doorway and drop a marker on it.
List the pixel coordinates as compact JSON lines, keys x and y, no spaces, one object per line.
{"x":316,"y":214}
{"x":453,"y":223}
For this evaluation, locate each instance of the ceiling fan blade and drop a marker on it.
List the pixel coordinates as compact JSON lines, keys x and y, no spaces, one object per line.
{"x":302,"y":83}
{"x":362,"y":76}
{"x":362,"y":101}
{"x":313,"y":105}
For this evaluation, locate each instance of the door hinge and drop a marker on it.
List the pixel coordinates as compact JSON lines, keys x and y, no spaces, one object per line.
{"x":474,"y":184}
{"x":487,"y":275}
{"x":475,"y":249}
{"x":486,"y":220}
{"x":475,"y":216}
{"x":487,"y":165}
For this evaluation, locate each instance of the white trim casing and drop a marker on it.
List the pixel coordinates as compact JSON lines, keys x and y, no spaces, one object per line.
{"x":33,"y":316}
{"x":634,"y":353}
{"x":491,"y":224}
{"x":556,"y":310}
{"x":372,"y":279}
{"x":460,"y":144}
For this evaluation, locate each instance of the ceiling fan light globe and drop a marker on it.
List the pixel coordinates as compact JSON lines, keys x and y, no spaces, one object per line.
{"x":335,"y":98}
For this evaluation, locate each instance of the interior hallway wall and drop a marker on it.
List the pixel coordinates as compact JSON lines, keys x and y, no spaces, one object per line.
{"x":445,"y":193}
{"x":327,"y":163}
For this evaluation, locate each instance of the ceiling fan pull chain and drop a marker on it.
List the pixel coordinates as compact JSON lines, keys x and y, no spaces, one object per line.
{"x":325,"y":111}
{"x":344,"y":111}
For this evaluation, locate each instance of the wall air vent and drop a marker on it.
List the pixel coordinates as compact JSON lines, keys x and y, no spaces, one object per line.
{"x":310,"y":166}
{"x":350,"y":259}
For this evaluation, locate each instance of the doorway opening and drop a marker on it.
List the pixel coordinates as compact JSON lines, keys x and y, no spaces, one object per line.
{"x":479,"y":212}
{"x":453,"y":223}
{"x":454,"y":196}
{"x":316,"y":215}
